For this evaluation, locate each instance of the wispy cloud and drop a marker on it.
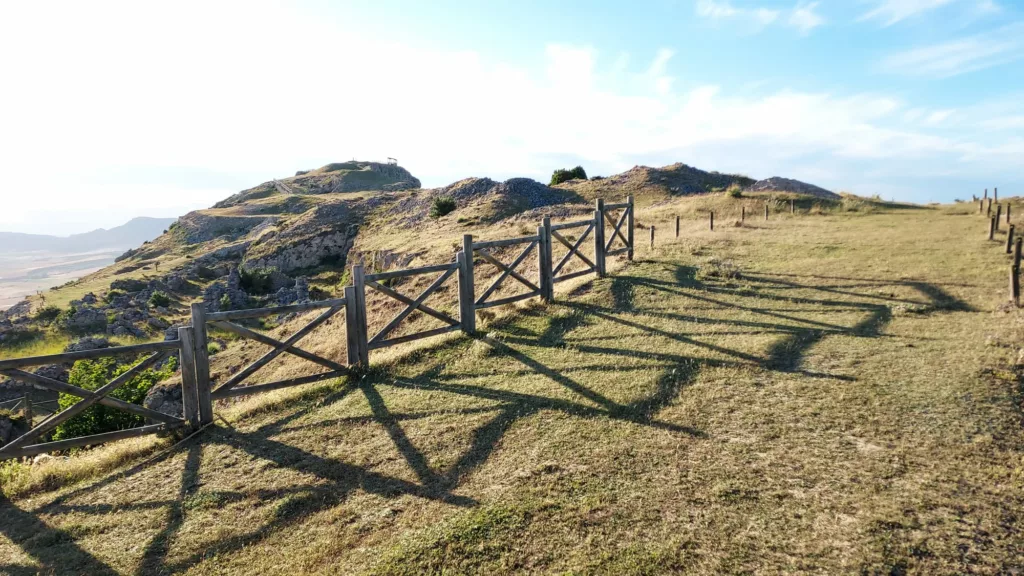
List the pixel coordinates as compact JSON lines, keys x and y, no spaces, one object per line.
{"x":961,"y":55}
{"x":723,"y":9}
{"x":802,"y":16}
{"x":889,"y":12}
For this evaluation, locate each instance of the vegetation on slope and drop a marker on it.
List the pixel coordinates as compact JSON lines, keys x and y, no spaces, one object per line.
{"x":807,"y":394}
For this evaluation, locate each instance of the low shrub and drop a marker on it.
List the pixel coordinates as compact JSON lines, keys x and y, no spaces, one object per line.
{"x":97,"y":419}
{"x":113,"y":293}
{"x":442,"y":206}
{"x":159,"y":299}
{"x":256,"y":280}
{"x":47,"y":314}
{"x":734,"y":191}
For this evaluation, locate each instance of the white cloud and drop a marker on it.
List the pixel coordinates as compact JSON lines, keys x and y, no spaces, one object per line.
{"x":723,"y":9}
{"x":96,"y":129}
{"x":961,"y":55}
{"x":804,"y":19}
{"x":938,"y":117}
{"x":890,"y":12}
{"x":802,"y":16}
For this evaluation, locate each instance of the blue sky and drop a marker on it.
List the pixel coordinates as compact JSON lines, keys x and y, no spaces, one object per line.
{"x":118,"y":109}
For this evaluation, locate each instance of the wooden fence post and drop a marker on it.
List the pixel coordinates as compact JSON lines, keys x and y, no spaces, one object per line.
{"x":677,"y":226}
{"x":989,"y":210}
{"x":599,"y":252}
{"x":1015,"y":285}
{"x":467,"y":290}
{"x":792,"y":206}
{"x":1009,"y":239}
{"x":652,"y":236}
{"x":629,"y":224}
{"x":356,"y":329}
{"x":766,"y":211}
{"x":981,"y":206}
{"x":1008,"y":212}
{"x":202,"y":360}
{"x":1016,"y":252}
{"x":743,"y":213}
{"x":995,"y":194}
{"x":986,"y":193}
{"x":189,"y":386}
{"x":546,"y":282}
{"x":991,"y":228}
{"x":999,"y":214}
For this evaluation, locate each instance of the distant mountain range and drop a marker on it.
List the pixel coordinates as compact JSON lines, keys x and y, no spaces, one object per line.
{"x":128,"y":235}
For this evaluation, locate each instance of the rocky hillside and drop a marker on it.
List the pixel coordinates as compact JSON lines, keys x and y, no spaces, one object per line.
{"x":779,"y":184}
{"x":675,"y":179}
{"x":292,"y":239}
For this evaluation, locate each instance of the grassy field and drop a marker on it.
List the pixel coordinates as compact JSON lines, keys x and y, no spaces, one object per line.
{"x":813,"y":394}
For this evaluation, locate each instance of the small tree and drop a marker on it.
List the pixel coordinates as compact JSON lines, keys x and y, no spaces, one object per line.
{"x":441,"y":206}
{"x":563,"y":175}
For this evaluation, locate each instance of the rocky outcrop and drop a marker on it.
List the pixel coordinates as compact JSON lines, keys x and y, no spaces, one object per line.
{"x":779,"y":184}
{"x":199,"y":226}
{"x":11,"y":427}
{"x":165,"y":398}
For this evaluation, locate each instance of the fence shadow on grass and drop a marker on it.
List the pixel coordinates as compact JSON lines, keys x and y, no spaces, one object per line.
{"x":56,"y":550}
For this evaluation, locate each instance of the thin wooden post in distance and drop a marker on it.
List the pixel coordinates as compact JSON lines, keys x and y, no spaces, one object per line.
{"x":712,"y":221}
{"x":677,"y":226}
{"x":652,"y":236}
{"x":991,"y":228}
{"x":1009,"y":239}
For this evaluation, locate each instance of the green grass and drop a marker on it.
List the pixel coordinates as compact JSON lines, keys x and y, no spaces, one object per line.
{"x":815,"y":394}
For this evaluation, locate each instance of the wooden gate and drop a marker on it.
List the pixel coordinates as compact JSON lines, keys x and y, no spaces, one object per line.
{"x":376,"y":281}
{"x":483,"y":250}
{"x":24,"y":446}
{"x":625,"y":240}
{"x":224,"y":321}
{"x":552,"y":231}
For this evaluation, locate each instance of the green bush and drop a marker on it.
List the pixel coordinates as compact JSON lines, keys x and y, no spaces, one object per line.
{"x":113,"y":293}
{"x":97,"y":419}
{"x":212,"y":348}
{"x":47,"y":314}
{"x":563,"y":175}
{"x":734,"y":191}
{"x":256,"y":280}
{"x":159,"y":299}
{"x":225,"y":303}
{"x":442,"y":206}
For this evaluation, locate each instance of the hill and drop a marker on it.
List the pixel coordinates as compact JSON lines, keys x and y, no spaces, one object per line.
{"x":656,"y":183}
{"x":128,"y":235}
{"x":779,"y":184}
{"x":304,"y":230}
{"x":809,"y":394}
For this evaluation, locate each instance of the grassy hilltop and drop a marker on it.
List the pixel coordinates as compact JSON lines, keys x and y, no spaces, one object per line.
{"x":832,"y":392}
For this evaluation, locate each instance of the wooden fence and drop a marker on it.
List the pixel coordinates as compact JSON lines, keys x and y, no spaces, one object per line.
{"x":199,"y":391}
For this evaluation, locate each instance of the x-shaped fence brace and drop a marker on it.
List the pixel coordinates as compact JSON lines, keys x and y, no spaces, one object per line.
{"x":289,"y":345}
{"x":574,"y":250}
{"x":506,"y":271}
{"x":617,"y":229}
{"x":88,"y":398}
{"x":379,"y":341}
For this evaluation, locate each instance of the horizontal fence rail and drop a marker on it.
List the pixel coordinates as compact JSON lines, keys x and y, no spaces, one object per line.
{"x":199,"y":392}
